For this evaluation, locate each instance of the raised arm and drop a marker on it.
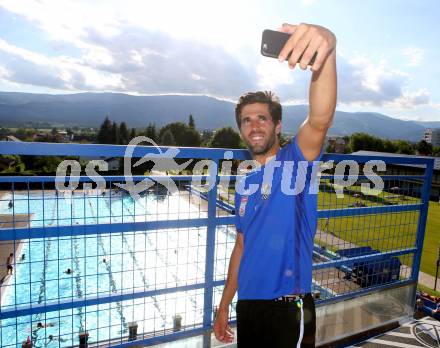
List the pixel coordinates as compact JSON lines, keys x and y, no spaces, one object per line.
{"x":307,"y":39}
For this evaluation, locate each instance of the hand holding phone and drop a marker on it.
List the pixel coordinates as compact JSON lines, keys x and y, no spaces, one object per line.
{"x":272,"y":43}
{"x":295,"y":43}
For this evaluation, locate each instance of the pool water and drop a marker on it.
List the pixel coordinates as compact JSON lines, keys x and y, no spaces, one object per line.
{"x":108,"y":264}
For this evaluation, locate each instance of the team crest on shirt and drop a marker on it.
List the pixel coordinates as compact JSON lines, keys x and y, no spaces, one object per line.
{"x":242,"y":209}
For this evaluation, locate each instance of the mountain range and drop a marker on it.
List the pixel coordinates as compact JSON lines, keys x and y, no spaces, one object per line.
{"x":90,"y":109}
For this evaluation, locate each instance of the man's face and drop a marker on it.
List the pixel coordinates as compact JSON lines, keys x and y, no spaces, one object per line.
{"x":257,"y":128}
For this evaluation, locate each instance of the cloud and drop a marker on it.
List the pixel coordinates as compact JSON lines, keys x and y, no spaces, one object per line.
{"x":271,"y":74}
{"x":64,"y":20}
{"x":362,"y":82}
{"x":415,"y":55}
{"x":4,"y":73}
{"x":365,"y":82}
{"x":135,"y":61}
{"x":23,"y":66}
{"x":115,"y":54}
{"x":155,"y":62}
{"x":61,"y":72}
{"x":410,"y":99}
{"x":69,"y":20}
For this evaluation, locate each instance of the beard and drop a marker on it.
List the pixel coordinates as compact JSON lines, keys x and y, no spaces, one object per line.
{"x":264,"y":147}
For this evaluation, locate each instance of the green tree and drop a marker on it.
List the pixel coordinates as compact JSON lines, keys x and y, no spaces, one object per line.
{"x":114,"y":134}
{"x":4,"y":131}
{"x":21,"y":133}
{"x":364,"y":141}
{"x":133,"y":133}
{"x":123,"y":134}
{"x":11,"y":164}
{"x":191,"y":122}
{"x":226,"y":138}
{"x":424,"y":148}
{"x":151,"y":132}
{"x":347,"y":144}
{"x":330,"y":148}
{"x":404,"y":147}
{"x":104,"y":134}
{"x":436,"y":151}
{"x":206,"y":137}
{"x":389,"y":146}
{"x":182,"y":133}
{"x":167,"y":138}
{"x":46,"y":165}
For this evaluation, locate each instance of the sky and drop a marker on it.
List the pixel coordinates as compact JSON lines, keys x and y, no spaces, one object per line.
{"x":387,"y":51}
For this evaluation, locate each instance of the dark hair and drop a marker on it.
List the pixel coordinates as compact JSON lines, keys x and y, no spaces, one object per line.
{"x":264,"y":97}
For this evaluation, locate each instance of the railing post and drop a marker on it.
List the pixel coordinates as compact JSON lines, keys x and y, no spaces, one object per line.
{"x":210,"y":251}
{"x":425,"y":193}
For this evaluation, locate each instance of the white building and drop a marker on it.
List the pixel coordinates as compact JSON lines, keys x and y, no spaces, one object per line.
{"x":432,"y":136}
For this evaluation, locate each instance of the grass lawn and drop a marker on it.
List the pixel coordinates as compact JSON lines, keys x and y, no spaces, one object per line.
{"x":423,"y":288}
{"x":432,"y":240}
{"x":381,"y":231}
{"x":385,"y":231}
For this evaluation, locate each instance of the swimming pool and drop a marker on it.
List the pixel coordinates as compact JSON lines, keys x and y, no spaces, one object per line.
{"x":107,"y":264}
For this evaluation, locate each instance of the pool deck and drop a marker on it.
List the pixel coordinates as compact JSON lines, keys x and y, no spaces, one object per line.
{"x":7,"y":247}
{"x":201,"y":203}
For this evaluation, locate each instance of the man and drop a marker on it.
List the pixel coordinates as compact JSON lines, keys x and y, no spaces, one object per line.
{"x":271,"y":263}
{"x":9,"y":262}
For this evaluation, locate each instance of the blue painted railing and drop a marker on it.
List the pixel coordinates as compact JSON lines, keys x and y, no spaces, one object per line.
{"x":11,"y":234}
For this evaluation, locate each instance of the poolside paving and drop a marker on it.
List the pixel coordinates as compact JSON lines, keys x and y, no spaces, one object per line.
{"x":7,"y":247}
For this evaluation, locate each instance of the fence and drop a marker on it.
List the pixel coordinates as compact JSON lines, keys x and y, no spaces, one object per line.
{"x":96,"y":264}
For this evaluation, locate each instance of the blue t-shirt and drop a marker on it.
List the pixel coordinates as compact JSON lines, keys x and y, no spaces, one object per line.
{"x":278,"y":227}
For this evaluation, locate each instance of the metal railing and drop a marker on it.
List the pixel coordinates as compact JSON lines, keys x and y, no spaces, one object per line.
{"x":152,"y":269}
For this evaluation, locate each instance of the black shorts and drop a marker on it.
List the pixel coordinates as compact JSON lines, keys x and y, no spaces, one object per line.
{"x":9,"y":267}
{"x":277,"y":324}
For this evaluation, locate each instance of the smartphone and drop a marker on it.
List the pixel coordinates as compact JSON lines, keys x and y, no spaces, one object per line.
{"x":272,"y":43}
